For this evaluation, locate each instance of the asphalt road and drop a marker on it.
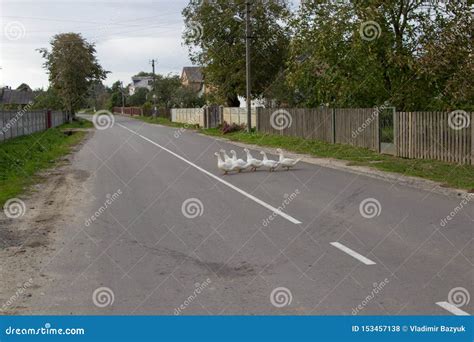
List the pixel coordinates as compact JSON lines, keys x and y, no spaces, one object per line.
{"x":227,"y":251}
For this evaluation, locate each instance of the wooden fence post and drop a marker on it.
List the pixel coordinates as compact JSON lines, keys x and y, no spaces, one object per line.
{"x":48,"y":118}
{"x":258,"y":112}
{"x":472,"y":138}
{"x":221,"y":115}
{"x":378,"y":146}
{"x":333,"y":119}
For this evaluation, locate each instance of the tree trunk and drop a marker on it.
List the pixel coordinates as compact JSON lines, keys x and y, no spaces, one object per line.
{"x":233,"y":101}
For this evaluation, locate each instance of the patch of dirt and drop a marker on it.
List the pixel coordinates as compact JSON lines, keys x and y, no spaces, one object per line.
{"x":25,"y":242}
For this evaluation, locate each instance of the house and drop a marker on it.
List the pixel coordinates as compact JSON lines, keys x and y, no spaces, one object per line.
{"x":193,"y":78}
{"x":140,"y":82}
{"x":21,"y":98}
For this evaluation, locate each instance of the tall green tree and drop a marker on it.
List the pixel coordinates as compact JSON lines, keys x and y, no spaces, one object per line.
{"x":139,"y":98}
{"x":215,"y":37}
{"x":115,"y":95}
{"x":412,"y":54}
{"x":73,"y":67}
{"x":165,"y":88}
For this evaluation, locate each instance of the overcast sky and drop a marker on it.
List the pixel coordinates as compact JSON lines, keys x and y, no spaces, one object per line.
{"x":127,"y":34}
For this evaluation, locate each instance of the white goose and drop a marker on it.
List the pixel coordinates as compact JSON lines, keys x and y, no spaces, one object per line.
{"x":287,"y":162}
{"x":238,"y":164}
{"x":253,"y":162}
{"x":271,"y":164}
{"x":226,"y":157}
{"x":225,"y":166}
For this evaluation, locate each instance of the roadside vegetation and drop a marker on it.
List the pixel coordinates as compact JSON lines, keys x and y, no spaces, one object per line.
{"x":22,"y":158}
{"x":450,"y":175}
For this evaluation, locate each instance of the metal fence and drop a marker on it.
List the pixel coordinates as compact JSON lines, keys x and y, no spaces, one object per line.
{"x":17,"y":123}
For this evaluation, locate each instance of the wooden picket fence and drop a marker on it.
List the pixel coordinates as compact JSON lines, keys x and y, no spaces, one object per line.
{"x":435,"y":135}
{"x":357,"y":127}
{"x":422,"y":135}
{"x":308,"y":123}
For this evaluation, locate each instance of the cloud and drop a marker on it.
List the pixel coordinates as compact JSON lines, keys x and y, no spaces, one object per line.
{"x":127,"y":35}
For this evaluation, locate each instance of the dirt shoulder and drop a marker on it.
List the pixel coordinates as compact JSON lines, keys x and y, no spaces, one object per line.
{"x":27,"y":243}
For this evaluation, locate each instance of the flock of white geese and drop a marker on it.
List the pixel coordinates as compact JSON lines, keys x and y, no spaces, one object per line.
{"x":228,"y":164}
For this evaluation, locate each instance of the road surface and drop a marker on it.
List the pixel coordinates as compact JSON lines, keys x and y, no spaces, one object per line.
{"x":178,"y":237}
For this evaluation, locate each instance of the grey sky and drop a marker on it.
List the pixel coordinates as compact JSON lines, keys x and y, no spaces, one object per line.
{"x":127,"y":35}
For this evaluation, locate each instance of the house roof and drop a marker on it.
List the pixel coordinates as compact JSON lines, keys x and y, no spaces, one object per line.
{"x":194,"y":74}
{"x":16,"y":97}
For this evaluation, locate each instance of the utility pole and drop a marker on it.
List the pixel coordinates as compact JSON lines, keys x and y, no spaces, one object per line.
{"x":123,"y":96}
{"x":247,"y":63}
{"x":154,"y":87}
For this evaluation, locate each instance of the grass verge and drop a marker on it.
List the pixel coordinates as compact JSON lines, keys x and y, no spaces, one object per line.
{"x":21,"y":158}
{"x":78,"y":123}
{"x":450,"y":175}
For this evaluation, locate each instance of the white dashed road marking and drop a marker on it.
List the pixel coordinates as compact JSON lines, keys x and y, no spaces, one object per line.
{"x":352,"y":253}
{"x":452,"y":308}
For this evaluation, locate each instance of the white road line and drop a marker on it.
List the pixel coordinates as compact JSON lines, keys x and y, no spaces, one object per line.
{"x":253,"y":198}
{"x":452,"y":308}
{"x":352,"y":253}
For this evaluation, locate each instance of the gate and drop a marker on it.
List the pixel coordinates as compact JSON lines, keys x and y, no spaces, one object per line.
{"x":212,"y":117}
{"x":387,"y":130}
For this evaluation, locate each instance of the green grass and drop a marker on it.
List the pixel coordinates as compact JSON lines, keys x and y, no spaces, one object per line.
{"x":78,"y":123}
{"x":22,"y":158}
{"x":451,"y":175}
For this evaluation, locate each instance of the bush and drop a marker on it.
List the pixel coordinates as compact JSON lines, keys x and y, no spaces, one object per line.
{"x":226,"y":128}
{"x":147,"y":109}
